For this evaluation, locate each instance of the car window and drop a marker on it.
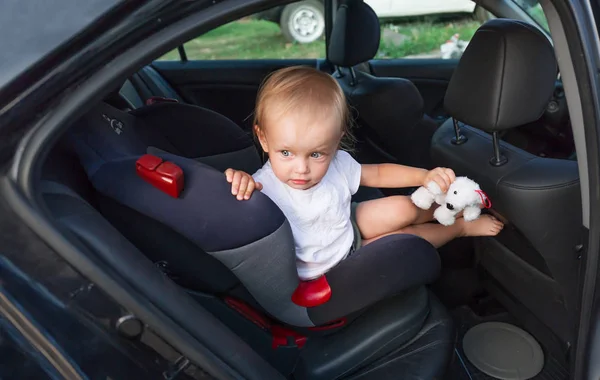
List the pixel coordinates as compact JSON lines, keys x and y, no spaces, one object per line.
{"x":294,"y":30}
{"x":431,"y":29}
{"x":534,"y":9}
{"x":409,"y":29}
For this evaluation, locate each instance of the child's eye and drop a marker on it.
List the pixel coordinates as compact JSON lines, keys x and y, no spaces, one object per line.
{"x":285,"y":153}
{"x":316,"y":155}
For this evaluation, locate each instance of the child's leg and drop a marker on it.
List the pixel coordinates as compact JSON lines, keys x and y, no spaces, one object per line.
{"x":438,"y":234}
{"x":384,"y":215}
{"x":393,"y":215}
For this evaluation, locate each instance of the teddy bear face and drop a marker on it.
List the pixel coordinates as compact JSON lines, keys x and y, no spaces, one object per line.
{"x":462,"y":193}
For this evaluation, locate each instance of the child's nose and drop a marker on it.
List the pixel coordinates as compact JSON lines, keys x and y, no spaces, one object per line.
{"x":302,"y":166}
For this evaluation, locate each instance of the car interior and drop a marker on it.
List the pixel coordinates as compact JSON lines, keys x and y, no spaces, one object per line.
{"x":138,"y":181}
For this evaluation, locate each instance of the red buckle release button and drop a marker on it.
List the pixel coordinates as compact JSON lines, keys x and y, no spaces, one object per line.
{"x":285,"y":337}
{"x":165,"y":176}
{"x":149,"y":162}
{"x":312,"y":293}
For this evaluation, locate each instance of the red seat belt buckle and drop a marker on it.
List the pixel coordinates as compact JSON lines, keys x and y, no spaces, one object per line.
{"x":160,"y":99}
{"x":285,"y":337}
{"x":164,"y":175}
{"x":312,"y":293}
{"x":281,"y":336}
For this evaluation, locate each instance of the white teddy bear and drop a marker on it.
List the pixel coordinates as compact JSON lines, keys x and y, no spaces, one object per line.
{"x":463,"y":194}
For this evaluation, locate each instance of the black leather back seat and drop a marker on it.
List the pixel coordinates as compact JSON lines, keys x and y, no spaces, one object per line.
{"x":376,"y":343}
{"x":504,"y":80}
{"x":100,"y":240}
{"x":408,"y":336}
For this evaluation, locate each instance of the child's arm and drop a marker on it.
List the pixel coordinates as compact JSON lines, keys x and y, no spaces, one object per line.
{"x":242,"y":184}
{"x":392,"y":175}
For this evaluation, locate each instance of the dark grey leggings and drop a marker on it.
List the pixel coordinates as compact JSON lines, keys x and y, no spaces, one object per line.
{"x":379,"y":270}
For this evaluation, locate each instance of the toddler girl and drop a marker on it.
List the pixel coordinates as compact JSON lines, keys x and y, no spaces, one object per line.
{"x":301,"y":118}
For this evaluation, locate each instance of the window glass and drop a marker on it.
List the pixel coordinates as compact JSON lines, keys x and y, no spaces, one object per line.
{"x":294,"y":30}
{"x":427,"y":28}
{"x":426,"y":39}
{"x":409,"y":29}
{"x":534,"y":9}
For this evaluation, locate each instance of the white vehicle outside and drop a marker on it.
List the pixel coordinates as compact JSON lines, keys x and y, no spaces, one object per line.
{"x":405,"y":8}
{"x":304,"y":21}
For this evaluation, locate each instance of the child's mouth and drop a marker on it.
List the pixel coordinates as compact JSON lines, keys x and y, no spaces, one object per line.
{"x":299,"y":181}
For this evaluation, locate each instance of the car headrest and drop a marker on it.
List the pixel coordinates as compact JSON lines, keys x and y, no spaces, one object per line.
{"x":355,"y":35}
{"x":505,"y":77}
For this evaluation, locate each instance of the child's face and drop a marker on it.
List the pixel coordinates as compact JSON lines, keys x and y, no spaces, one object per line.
{"x":299,"y":151}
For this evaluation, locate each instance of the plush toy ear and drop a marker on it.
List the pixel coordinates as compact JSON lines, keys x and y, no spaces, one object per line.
{"x":485,"y":200}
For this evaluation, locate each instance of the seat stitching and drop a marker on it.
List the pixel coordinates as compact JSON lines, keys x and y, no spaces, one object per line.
{"x":501,"y":81}
{"x":562,"y":185}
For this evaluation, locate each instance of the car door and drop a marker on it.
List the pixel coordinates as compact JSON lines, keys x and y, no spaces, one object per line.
{"x":222,"y":69}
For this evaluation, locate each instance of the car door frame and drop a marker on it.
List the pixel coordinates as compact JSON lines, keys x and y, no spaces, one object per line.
{"x":116,"y":55}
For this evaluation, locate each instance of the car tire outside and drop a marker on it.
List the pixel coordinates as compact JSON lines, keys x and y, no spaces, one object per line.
{"x":303,"y":22}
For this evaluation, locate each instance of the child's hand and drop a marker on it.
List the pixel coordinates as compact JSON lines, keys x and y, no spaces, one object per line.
{"x":442,"y":176}
{"x":242,"y":184}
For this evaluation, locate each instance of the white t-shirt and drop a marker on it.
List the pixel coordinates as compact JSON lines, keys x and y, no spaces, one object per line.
{"x":319,"y":216}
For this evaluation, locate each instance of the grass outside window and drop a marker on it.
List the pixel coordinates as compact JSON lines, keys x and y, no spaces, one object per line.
{"x":258,"y":39}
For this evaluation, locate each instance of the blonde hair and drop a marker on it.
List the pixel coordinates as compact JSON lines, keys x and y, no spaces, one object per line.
{"x":302,"y":89}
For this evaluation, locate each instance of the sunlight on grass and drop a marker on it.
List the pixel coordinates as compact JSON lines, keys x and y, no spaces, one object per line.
{"x":425,"y":37}
{"x":259,"y":39}
{"x":247,"y":39}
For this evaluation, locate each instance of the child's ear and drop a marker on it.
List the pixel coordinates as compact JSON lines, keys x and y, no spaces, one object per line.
{"x":261,"y":138}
